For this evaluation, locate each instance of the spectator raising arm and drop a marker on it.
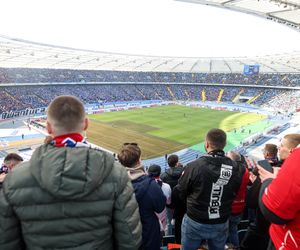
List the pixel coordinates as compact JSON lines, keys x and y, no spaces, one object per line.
{"x":279,"y":202}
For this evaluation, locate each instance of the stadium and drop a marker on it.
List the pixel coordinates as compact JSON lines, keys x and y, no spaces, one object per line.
{"x":165,"y":104}
{"x":232,"y":94}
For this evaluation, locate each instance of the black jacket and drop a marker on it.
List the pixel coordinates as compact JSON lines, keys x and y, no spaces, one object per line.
{"x":209,"y":185}
{"x":171,"y":176}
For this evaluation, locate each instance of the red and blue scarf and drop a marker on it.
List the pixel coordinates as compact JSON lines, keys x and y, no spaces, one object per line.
{"x":69,"y":140}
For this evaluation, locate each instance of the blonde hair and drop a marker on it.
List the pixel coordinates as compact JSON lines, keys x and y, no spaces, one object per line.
{"x":293,"y":140}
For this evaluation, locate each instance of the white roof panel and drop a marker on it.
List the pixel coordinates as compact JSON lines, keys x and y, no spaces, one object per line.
{"x":258,"y":6}
{"x":282,"y":11}
{"x":15,"y":53}
{"x":293,"y":16}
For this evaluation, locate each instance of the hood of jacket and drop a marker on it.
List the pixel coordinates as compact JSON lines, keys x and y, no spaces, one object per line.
{"x":141,"y":186}
{"x":175,"y":172}
{"x":135,"y":172}
{"x":70,"y":173}
{"x":214,"y":165}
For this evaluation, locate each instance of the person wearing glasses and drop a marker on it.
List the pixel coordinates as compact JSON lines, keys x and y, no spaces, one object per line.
{"x":148,"y":193}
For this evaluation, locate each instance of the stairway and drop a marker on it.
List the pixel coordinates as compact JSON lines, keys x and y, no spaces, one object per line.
{"x":41,"y":99}
{"x":9,"y":95}
{"x":203,"y":95}
{"x":141,"y":93}
{"x":171,"y":93}
{"x":220,"y":95}
{"x":187,"y":95}
{"x":160,"y":98}
{"x":253,"y":99}
{"x":235,"y":99}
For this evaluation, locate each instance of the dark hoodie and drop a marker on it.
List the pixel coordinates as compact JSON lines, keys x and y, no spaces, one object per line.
{"x":171,"y":176}
{"x":151,"y":200}
{"x":209,"y":185}
{"x":69,"y":198}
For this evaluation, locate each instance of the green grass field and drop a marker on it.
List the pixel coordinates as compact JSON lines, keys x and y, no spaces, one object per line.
{"x":166,"y":129}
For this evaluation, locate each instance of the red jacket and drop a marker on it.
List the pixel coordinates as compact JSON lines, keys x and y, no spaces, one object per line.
{"x":282,"y":197}
{"x":238,"y":204}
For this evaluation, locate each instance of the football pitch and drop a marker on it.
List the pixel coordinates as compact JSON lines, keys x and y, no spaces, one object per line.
{"x":166,"y":129}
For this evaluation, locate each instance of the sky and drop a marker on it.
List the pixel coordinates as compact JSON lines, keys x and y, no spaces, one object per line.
{"x":145,"y":27}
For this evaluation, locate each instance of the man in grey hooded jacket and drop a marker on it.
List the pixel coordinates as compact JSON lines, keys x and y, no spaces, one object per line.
{"x":69,"y":195}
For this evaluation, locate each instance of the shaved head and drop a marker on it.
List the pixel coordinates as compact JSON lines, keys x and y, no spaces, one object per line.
{"x":66,"y":114}
{"x":216,"y":138}
{"x":287,"y":144}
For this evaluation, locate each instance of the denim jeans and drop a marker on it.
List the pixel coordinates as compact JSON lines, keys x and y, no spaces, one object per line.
{"x":192,"y":234}
{"x":233,"y":237}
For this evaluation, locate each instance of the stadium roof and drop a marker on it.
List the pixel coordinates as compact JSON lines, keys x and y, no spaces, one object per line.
{"x":19,"y":53}
{"x":282,"y":11}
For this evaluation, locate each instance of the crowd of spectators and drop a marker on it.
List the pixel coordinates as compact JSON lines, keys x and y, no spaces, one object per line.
{"x":8,"y":102}
{"x":27,"y":75}
{"x":22,"y":97}
{"x":286,"y":101}
{"x":126,"y":206}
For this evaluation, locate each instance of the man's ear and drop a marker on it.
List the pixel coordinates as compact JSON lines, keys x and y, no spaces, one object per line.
{"x":206,"y":145}
{"x":86,"y":124}
{"x":49,"y":128}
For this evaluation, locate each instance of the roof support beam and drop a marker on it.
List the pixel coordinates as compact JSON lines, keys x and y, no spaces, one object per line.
{"x":227,"y":64}
{"x":181,"y":63}
{"x":194,"y":65}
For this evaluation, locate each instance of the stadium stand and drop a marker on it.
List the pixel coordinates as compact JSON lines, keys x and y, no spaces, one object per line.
{"x":14,"y":98}
{"x":28,"y":75}
{"x":285,"y":101}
